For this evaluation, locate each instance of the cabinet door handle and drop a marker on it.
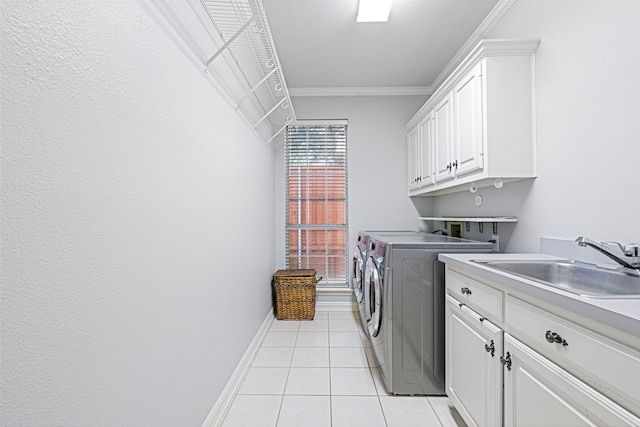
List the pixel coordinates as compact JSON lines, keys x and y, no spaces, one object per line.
{"x":465,"y":290}
{"x":490,"y":348}
{"x":553,"y":337}
{"x":506,"y":361}
{"x":454,"y":164}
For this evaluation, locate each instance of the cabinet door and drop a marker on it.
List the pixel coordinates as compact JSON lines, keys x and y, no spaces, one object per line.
{"x":413,"y":157}
{"x":443,"y":138}
{"x":597,"y":359}
{"x":426,"y":152}
{"x":468,"y":123}
{"x":473,"y":369}
{"x":539,"y":393}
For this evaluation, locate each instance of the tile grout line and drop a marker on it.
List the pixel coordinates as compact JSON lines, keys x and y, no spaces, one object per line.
{"x":284,"y":391}
{"x":330,"y":382}
{"x":435,"y":412}
{"x":331,"y":369}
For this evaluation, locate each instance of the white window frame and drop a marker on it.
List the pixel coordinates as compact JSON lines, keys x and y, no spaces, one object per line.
{"x":301,"y":226}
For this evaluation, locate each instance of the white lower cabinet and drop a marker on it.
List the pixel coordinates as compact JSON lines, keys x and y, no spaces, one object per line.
{"x":473,"y":369}
{"x":515,"y":372}
{"x":609,"y":366}
{"x":539,"y":393}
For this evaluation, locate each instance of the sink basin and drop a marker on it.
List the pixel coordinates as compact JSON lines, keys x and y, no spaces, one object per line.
{"x":580,"y":278}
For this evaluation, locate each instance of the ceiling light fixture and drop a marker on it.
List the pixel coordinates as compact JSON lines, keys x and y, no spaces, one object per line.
{"x":374,"y":10}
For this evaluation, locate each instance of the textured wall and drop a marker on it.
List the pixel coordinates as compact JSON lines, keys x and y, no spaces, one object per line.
{"x":588,"y":122}
{"x":133,"y":197}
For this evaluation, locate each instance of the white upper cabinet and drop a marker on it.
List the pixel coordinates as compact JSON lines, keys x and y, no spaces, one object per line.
{"x":468,"y":119}
{"x":413,"y":151}
{"x":426,"y":151}
{"x":483,"y":119}
{"x":420,"y":154}
{"x":443,"y":138}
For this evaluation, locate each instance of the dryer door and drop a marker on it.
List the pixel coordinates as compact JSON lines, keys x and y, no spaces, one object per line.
{"x":374,"y":298}
{"x":358,"y":272}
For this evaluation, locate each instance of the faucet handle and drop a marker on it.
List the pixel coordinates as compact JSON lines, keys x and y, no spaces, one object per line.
{"x":630,"y":249}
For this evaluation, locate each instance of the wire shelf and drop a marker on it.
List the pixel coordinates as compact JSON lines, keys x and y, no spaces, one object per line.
{"x":248,"y":47}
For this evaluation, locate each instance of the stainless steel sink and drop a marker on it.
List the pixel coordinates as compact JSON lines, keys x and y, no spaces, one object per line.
{"x":580,"y":278}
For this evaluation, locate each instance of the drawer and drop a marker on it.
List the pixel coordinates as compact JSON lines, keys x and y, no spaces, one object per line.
{"x":534,"y":382}
{"x":608,"y":366}
{"x":485,"y":299}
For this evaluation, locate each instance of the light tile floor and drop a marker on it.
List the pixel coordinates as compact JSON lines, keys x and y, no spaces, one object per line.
{"x":323,"y":373}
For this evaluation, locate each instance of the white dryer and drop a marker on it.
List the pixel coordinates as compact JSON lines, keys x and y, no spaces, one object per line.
{"x":405,"y":296}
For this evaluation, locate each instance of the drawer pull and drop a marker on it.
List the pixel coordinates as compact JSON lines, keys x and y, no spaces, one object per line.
{"x":465,"y":290}
{"x":490,"y":348}
{"x":506,"y":361}
{"x":460,"y":304}
{"x":553,"y":337}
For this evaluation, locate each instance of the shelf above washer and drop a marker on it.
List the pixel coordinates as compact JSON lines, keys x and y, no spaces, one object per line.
{"x":470,"y":219}
{"x":478,"y":219}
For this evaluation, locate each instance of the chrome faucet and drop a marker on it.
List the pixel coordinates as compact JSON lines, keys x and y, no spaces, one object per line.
{"x":629,"y":257}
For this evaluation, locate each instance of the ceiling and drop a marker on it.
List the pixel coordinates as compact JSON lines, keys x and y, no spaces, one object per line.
{"x":321,"y":46}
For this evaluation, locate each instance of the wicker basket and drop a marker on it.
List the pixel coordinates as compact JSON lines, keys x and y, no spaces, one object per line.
{"x":295,"y":294}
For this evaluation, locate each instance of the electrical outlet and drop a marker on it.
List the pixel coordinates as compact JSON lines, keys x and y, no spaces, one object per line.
{"x":455,"y":229}
{"x":496,"y":242}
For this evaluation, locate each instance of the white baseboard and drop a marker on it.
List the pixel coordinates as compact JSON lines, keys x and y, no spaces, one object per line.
{"x":336,"y":306}
{"x":222,"y":405}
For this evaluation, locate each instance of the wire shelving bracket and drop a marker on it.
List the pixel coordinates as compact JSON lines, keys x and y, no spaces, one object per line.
{"x":248,"y":45}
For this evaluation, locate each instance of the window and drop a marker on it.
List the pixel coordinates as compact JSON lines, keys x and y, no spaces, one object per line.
{"x":316,"y":179}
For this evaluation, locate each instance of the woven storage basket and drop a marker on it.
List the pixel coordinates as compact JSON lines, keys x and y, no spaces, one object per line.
{"x":295,"y":294}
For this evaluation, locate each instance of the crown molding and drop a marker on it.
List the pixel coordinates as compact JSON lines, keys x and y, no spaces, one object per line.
{"x":361,"y":91}
{"x":485,"y":48}
{"x":485,"y":26}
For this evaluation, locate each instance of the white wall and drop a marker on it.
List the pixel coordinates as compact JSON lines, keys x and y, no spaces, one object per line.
{"x":377,"y":162}
{"x":132,"y":196}
{"x":588,"y":122}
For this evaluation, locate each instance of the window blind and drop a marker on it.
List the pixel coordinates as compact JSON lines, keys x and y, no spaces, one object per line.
{"x":316,"y":180}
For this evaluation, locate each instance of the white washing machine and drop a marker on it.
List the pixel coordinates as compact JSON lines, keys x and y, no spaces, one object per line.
{"x":404,"y":294}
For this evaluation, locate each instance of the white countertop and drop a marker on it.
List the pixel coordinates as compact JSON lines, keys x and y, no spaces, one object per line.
{"x":622,"y":314}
